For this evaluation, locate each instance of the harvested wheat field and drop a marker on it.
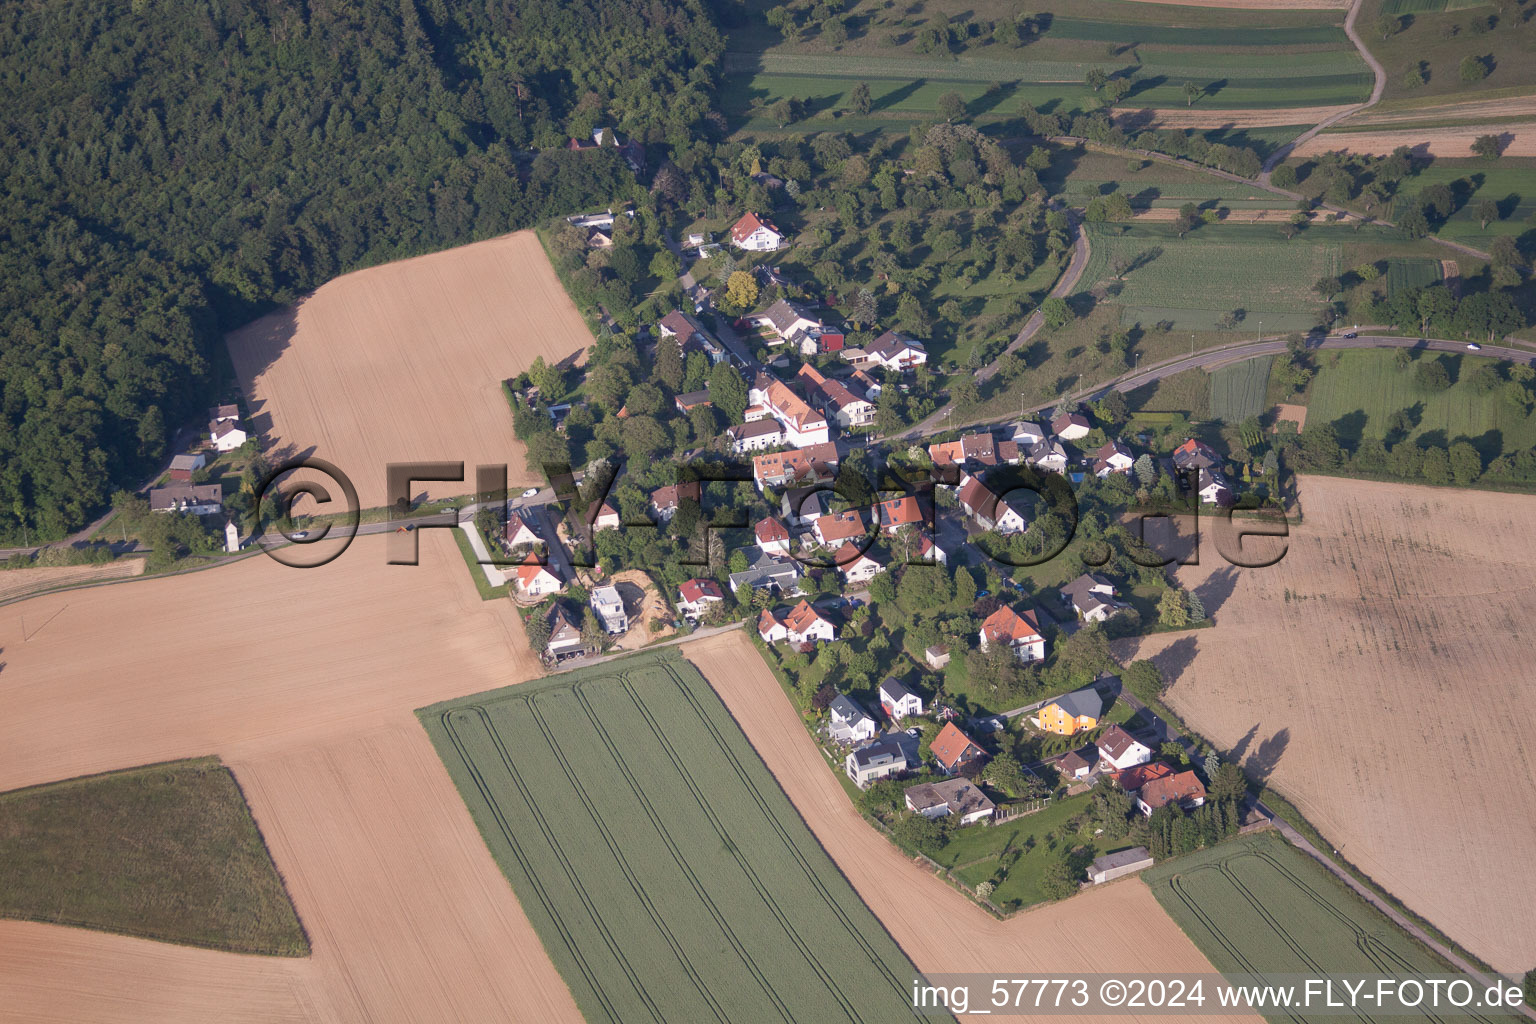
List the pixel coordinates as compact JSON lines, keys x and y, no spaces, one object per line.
{"x":16,"y":583}
{"x":405,"y":362}
{"x":1259,"y":5}
{"x":940,"y":930}
{"x":1194,"y":117}
{"x":1167,"y":215}
{"x":1381,"y":674}
{"x":1519,"y":140}
{"x":1477,"y":110}
{"x":304,"y":681}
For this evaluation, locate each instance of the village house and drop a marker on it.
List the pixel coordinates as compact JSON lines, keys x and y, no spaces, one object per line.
{"x":1027,"y":433}
{"x":974,"y":452}
{"x":802,"y":506}
{"x":1070,"y":426}
{"x":956,"y":798}
{"x":772,"y":536}
{"x":755,"y":234}
{"x":1120,"y":750}
{"x":803,"y":426}
{"x":691,"y":336}
{"x":695,"y":597}
{"x":1134,"y":778}
{"x":597,"y":238}
{"x":863,"y":382}
{"x":929,"y":551}
{"x":632,"y":151}
{"x":936,"y":655}
{"x":565,"y":639}
{"x":875,"y":761}
{"x":1214,"y":489}
{"x":767,"y":572}
{"x":791,"y":325}
{"x":224,"y":414}
{"x":771,"y":628}
{"x":898,"y":701}
{"x":895,"y":513}
{"x":609,"y":608}
{"x":226,"y":435}
{"x":522,"y":532}
{"x":535,"y":579}
{"x":1112,"y":458}
{"x":849,"y":722}
{"x":1048,"y":456}
{"x":1184,"y":789}
{"x":893,"y":351}
{"x":1074,"y":765}
{"x":758,"y":435}
{"x":665,"y":500}
{"x":686,"y":403}
{"x":1071,"y":712}
{"x":604,"y":516}
{"x":1117,"y":865}
{"x":1193,"y":454}
{"x":808,"y":626}
{"x":857,"y":567}
{"x":836,"y":402}
{"x":831,"y":530}
{"x":953,"y":750}
{"x":198,"y":499}
{"x":1018,"y":631}
{"x":989,"y":511}
{"x":1091,"y":596}
{"x":183,"y":466}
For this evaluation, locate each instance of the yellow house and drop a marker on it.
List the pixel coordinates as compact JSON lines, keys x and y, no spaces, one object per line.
{"x":1071,"y":712}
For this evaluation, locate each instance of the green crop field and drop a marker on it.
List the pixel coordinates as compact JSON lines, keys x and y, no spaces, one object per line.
{"x":1237,"y":390}
{"x":1212,"y":271}
{"x":168,"y":851}
{"x":1510,"y":183}
{"x":1257,"y":904}
{"x":1357,"y":390}
{"x":1411,"y":273}
{"x":668,"y":876}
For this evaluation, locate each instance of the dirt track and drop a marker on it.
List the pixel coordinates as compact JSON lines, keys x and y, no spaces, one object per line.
{"x":17,"y":582}
{"x":1197,"y":117}
{"x":404,"y":362}
{"x":938,"y":928}
{"x":1515,"y":106}
{"x":1447,"y":142}
{"x":1382,"y":671}
{"x":304,"y":681}
{"x":1260,"y":5}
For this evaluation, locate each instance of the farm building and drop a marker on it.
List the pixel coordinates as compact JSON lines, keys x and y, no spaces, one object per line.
{"x":183,"y":466}
{"x":198,"y":499}
{"x":1117,"y":865}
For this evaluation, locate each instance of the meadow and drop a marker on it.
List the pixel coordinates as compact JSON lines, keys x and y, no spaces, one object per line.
{"x":664,"y":869}
{"x":1411,"y":273}
{"x":1238,"y":389}
{"x":167,"y":852}
{"x":1510,"y":183}
{"x":1357,"y":390}
{"x":1212,"y":271}
{"x":1257,"y":904}
{"x":1438,"y":37}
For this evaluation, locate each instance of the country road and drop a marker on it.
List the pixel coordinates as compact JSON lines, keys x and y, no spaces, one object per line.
{"x":1279,"y":155}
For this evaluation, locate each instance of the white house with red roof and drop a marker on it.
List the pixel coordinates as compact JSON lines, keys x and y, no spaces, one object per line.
{"x":831,"y":530}
{"x":989,"y":510}
{"x":771,"y":628}
{"x":772,"y":536}
{"x":605,"y":517}
{"x":535,"y":579}
{"x":806,"y":625}
{"x":755,"y":234}
{"x":857,"y":567}
{"x":894,"y":513}
{"x":1019,"y":631}
{"x":928,"y":551}
{"x":694,"y":598}
{"x":803,"y":426}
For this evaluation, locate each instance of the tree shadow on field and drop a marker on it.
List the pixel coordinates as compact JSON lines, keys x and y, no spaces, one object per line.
{"x":1261,"y":763}
{"x":1218,"y":586}
{"x":1172,"y":661}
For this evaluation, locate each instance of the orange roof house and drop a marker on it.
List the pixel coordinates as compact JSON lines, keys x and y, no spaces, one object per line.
{"x":899,"y":512}
{"x":1133,"y":779}
{"x":1184,"y":789}
{"x":1019,"y":631}
{"x":953,"y":749}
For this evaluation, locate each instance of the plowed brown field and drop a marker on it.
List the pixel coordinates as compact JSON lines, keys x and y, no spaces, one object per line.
{"x":304,"y":682}
{"x":934,"y":925}
{"x":1382,"y":672}
{"x":404,"y":362}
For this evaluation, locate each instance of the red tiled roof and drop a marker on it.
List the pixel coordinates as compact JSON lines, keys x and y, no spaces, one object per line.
{"x":849,"y":554}
{"x":750,"y":222}
{"x":694,"y":590}
{"x":766,"y":621}
{"x":841,"y":525}
{"x":1132,"y":779}
{"x":1010,"y":627}
{"x":770,"y":530}
{"x":899,"y":512}
{"x":530,"y":569}
{"x":670,"y":495}
{"x":797,"y":463}
{"x":1181,"y":787}
{"x":950,"y":744}
{"x":802,"y":617}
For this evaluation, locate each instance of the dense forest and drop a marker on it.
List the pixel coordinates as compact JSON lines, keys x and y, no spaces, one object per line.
{"x":172,"y":170}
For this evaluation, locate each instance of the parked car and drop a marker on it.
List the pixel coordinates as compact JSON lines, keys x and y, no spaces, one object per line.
{"x":1473,"y":346}
{"x":532,"y":492}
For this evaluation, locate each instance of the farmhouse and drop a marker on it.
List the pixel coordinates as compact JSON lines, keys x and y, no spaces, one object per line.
{"x":1091,"y":596}
{"x":857,"y":567}
{"x":1112,"y":458}
{"x":665,"y":500}
{"x":198,"y":499}
{"x":534,"y":579}
{"x":1117,"y":865}
{"x":1018,"y":631}
{"x":696,"y":597}
{"x":1119,"y":750}
{"x":565,"y":640}
{"x":849,"y":722}
{"x":893,"y":351}
{"x":227,"y":435}
{"x":1071,"y":712}
{"x":1184,"y":789}
{"x":609,"y":607}
{"x":772,"y":536}
{"x":897,"y":700}
{"x":183,"y":466}
{"x":937,"y":656}
{"x":953,"y":750}
{"x":875,"y":761}
{"x":1070,"y":426}
{"x":756,"y":436}
{"x":989,"y":510}
{"x":754,"y":234}
{"x":957,"y":797}
{"x":837,"y":527}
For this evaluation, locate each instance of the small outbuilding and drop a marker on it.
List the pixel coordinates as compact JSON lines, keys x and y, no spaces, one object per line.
{"x":1117,"y":865}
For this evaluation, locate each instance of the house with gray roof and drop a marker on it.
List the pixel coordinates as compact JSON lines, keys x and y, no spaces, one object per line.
{"x":957,"y":797}
{"x":875,"y":761}
{"x":767,"y":571}
{"x":850,"y":723}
